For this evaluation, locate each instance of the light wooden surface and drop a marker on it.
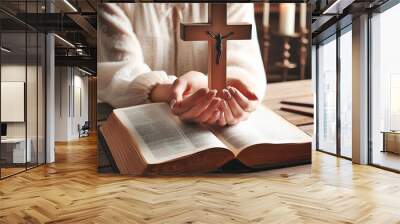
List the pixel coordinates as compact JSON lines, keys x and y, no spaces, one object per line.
{"x":331,"y":190}
{"x":7,"y":171}
{"x":294,"y":91}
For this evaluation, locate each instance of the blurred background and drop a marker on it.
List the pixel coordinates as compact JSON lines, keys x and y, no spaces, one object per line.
{"x":283,"y":33}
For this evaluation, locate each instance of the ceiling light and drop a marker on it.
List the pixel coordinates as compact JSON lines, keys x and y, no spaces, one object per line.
{"x":337,"y":7}
{"x":79,"y":51}
{"x":65,"y":41}
{"x":70,"y":5}
{"x":84,"y":71}
{"x":5,"y":50}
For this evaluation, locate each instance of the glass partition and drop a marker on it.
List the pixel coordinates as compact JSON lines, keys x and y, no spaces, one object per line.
{"x":14,"y":145}
{"x":41,"y":97}
{"x":31,"y":100}
{"x":385,"y":89}
{"x":22,"y":88}
{"x":326,"y":95}
{"x":346,"y":92}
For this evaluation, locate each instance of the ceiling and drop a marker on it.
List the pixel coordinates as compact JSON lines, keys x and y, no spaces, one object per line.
{"x":72,"y":20}
{"x":332,"y":15}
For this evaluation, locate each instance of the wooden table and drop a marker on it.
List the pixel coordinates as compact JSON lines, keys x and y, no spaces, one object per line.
{"x":391,"y":141}
{"x":291,"y":90}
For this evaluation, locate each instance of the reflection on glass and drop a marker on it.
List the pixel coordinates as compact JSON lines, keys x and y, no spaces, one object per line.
{"x":346,"y":94}
{"x":14,"y":153}
{"x":327,"y":96}
{"x":31,"y":100}
{"x":22,"y":91}
{"x":395,"y":102}
{"x":41,"y":99}
{"x":385,"y":86}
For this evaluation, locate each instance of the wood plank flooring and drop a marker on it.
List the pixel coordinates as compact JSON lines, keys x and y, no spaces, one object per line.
{"x":331,"y":190}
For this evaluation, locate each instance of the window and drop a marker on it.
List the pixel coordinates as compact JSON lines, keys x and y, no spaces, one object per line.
{"x":334,"y":80}
{"x":385,"y":89}
{"x":346,"y":92}
{"x":326,"y":125}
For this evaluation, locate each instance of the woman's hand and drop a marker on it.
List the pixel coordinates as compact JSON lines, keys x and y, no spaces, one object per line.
{"x":191,"y":100}
{"x":187,"y":85}
{"x":184,"y":86}
{"x":201,"y":107}
{"x":237,"y":105}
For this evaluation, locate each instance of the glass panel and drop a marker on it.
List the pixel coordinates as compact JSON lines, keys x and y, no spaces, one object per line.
{"x":385,"y":89}
{"x":13,"y":87}
{"x":22,"y":88}
{"x":346,"y":94}
{"x":31,"y":98}
{"x":32,"y":89}
{"x":41,"y":98}
{"x":327,"y":96}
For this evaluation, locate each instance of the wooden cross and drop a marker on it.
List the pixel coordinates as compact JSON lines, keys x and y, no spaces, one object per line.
{"x":216,"y":32}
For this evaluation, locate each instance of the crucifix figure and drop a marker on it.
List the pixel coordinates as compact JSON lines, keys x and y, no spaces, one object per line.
{"x":218,"y":45}
{"x":216,"y":32}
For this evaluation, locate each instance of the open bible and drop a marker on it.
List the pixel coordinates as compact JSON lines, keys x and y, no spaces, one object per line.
{"x":149,"y":139}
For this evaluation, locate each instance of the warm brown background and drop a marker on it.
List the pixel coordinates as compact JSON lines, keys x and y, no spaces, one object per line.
{"x":274,"y":73}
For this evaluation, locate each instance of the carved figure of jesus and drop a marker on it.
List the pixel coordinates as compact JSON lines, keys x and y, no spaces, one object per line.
{"x":219,"y":44}
{"x":216,"y":31}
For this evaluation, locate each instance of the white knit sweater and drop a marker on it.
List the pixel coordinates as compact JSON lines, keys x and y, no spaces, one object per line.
{"x":139,"y":46}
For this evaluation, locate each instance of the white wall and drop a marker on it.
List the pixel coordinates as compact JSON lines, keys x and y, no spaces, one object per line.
{"x":70,"y":84}
{"x":16,"y":73}
{"x":34,"y":125}
{"x":80,"y":104}
{"x":61,"y":103}
{"x":13,"y":100}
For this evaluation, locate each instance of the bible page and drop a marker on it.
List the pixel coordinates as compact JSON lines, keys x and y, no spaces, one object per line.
{"x":161,"y":136}
{"x":262,"y":126}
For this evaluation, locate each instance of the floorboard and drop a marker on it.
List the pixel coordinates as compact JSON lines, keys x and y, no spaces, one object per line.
{"x":331,"y":190}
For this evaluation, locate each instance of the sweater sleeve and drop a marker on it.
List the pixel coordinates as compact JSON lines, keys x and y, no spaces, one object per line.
{"x":124,"y":79}
{"x":244,"y":61}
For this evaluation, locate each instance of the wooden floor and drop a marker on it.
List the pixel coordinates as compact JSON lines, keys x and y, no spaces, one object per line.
{"x":386,"y":159}
{"x":8,"y":171}
{"x":331,"y":190}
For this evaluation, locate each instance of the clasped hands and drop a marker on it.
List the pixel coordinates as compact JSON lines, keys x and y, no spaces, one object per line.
{"x":191,"y":100}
